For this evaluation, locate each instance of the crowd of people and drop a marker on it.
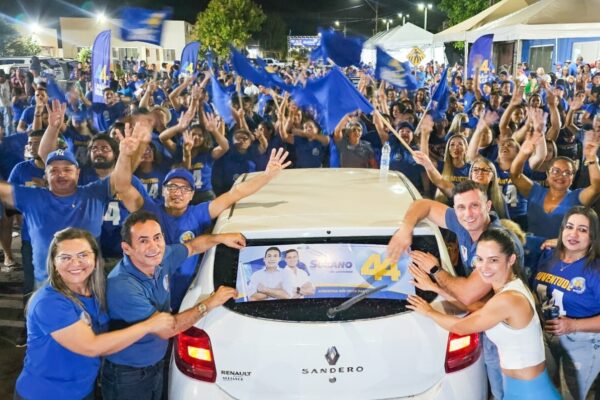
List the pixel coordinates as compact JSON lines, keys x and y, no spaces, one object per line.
{"x":114,"y":200}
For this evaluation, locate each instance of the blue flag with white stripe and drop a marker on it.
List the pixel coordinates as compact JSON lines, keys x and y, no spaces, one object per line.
{"x":143,"y":25}
{"x":393,"y":71}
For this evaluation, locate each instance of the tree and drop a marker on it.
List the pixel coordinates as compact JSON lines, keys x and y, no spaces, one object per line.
{"x":23,"y":46}
{"x":84,"y":55}
{"x":227,"y":22}
{"x":273,"y":36}
{"x":460,"y":10}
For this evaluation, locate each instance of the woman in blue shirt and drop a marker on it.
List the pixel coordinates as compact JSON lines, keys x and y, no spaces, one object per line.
{"x":568,"y":279}
{"x":66,"y":319}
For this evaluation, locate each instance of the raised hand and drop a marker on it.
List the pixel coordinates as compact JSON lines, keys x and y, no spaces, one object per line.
{"x":56,"y":113}
{"x":277,"y":162}
{"x":187,"y":118}
{"x":188,"y":141}
{"x":538,"y":118}
{"x":211,"y":122}
{"x":427,"y":124}
{"x":528,"y":145}
{"x":591,"y":145}
{"x":517,"y":97}
{"x":423,"y":160}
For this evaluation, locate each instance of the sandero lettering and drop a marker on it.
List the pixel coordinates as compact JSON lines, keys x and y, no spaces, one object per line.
{"x":332,"y":370}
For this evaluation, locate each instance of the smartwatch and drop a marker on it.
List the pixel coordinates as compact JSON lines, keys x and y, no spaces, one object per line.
{"x":434,"y":271}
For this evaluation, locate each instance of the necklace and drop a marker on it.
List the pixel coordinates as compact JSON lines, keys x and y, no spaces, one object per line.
{"x":564,"y":265}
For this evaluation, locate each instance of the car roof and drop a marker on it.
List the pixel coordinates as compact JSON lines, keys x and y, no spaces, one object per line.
{"x":322,"y":197}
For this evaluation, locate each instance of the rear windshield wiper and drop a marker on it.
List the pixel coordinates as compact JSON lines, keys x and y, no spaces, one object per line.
{"x":353,"y":300}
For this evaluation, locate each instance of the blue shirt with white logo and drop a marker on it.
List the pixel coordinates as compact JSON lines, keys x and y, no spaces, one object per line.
{"x":132,"y":296}
{"x":574,"y":287}
{"x":193,"y":222}
{"x":47,"y":214}
{"x":51,"y":371}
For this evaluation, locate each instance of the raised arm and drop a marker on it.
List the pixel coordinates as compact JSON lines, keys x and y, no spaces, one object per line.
{"x":418,"y":211}
{"x":515,"y":101}
{"x":120,"y":178}
{"x":590,"y":151}
{"x":338,"y":133}
{"x":49,"y":142}
{"x":174,"y":95}
{"x":382,"y":131}
{"x":522,"y":183}
{"x":244,"y":189}
{"x":433,"y":174}
{"x":166,"y":136}
{"x":202,"y":243}
{"x":537,"y":138}
{"x":216,"y":127}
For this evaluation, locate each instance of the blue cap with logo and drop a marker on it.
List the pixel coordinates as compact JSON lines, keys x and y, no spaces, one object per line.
{"x":180,"y":173}
{"x":405,"y":124}
{"x":62,"y":155}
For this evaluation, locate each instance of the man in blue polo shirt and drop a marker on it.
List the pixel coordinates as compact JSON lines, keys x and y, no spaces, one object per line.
{"x":63,"y":204}
{"x":182,"y":222}
{"x":469,"y":218}
{"x":138,"y":288}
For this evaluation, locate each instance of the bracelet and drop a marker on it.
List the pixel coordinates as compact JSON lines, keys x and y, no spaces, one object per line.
{"x":590,"y":162}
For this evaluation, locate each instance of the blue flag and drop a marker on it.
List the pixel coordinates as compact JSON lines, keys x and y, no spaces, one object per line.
{"x":189,"y":59}
{"x":54,"y":91}
{"x":333,"y":96}
{"x":481,"y":53}
{"x":142,"y":25}
{"x":393,"y":71}
{"x":243,"y":68}
{"x":221,"y":101}
{"x":344,"y":51}
{"x":441,"y":96}
{"x":100,"y":66}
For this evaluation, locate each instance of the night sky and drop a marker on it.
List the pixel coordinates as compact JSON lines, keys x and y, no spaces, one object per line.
{"x":302,"y":16}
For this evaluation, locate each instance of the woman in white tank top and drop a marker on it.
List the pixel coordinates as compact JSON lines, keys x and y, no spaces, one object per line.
{"x":509,"y":318}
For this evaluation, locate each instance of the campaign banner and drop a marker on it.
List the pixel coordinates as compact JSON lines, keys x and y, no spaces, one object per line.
{"x":142,"y":25}
{"x":335,"y":270}
{"x":100,"y":65}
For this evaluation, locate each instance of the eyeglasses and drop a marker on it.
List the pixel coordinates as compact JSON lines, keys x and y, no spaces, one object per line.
{"x":67,"y":258}
{"x":176,"y":188}
{"x":558,"y":172}
{"x":102,"y":149}
{"x":477,"y":170}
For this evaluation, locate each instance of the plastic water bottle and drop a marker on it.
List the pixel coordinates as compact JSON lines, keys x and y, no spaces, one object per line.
{"x":384,"y":166}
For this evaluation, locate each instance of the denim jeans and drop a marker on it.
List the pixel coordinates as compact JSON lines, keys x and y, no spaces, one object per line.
{"x":122,"y":382}
{"x":492,"y":367}
{"x":578,"y":355}
{"x":7,"y":122}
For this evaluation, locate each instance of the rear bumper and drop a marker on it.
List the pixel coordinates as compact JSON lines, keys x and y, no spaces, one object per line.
{"x":467,"y":384}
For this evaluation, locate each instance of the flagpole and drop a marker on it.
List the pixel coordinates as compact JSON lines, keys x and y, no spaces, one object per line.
{"x":394,"y":131}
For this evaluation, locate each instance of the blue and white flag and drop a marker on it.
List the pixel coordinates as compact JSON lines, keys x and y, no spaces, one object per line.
{"x":100,"y":66}
{"x":393,"y":71}
{"x":440,"y":97}
{"x":189,"y":59}
{"x":142,"y":25}
{"x":481,"y":54}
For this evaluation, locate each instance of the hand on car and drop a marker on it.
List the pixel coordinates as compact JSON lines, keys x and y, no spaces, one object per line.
{"x":233,"y":240}
{"x":422,"y":280}
{"x":399,"y":243}
{"x":220,"y":297}
{"x":419,"y":305}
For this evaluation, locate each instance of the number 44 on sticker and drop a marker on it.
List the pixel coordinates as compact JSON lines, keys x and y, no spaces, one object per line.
{"x":377,"y":268}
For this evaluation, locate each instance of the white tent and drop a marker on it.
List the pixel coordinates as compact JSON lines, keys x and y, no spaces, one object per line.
{"x":502,"y":8}
{"x":546,"y":19}
{"x":399,"y":42}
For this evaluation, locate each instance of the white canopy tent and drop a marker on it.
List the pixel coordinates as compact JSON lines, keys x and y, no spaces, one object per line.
{"x":502,"y":8}
{"x":546,"y":19}
{"x":399,"y":41}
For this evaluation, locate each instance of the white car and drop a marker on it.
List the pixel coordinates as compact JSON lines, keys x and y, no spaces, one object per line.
{"x":338,"y":221}
{"x":271,"y":62}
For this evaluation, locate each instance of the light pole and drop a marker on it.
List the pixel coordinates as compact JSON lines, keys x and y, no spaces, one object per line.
{"x":387,"y":23}
{"x":403,"y":17}
{"x":376,"y":9}
{"x":425,"y":7}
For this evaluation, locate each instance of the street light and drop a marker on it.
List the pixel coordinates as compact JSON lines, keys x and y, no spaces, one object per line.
{"x":403,"y":17}
{"x":425,"y":7}
{"x":387,"y":23}
{"x":337,"y":23}
{"x":100,"y":17}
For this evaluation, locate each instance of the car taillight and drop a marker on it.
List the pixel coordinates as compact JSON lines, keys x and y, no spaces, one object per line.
{"x":461,"y":351}
{"x":194,"y":355}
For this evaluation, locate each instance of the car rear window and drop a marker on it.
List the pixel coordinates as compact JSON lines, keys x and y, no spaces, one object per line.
{"x":308,"y":308}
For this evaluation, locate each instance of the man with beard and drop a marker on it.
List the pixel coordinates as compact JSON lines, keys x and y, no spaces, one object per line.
{"x":105,"y":114}
{"x":63,"y":204}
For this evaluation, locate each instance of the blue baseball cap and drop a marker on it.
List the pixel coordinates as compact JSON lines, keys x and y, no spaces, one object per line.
{"x":180,"y":173}
{"x":62,"y":155}
{"x":405,"y":124}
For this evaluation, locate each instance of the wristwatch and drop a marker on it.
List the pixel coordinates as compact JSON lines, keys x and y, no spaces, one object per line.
{"x":202,"y":308}
{"x":590,"y":162}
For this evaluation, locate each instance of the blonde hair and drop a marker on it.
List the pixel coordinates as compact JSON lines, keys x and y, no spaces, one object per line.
{"x":494,"y":193}
{"x":448,"y":169}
